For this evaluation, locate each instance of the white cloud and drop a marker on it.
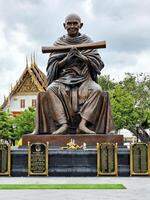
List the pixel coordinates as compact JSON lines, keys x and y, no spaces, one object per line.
{"x":3,"y":39}
{"x":117,"y":66}
{"x":27,"y":25}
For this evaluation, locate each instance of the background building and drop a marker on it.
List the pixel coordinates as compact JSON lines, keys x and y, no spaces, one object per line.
{"x":24,"y":93}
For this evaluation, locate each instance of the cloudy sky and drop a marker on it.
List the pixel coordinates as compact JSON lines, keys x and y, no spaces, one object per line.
{"x":26,"y":25}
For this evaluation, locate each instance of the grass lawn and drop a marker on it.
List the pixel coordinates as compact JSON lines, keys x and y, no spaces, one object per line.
{"x":60,"y":186}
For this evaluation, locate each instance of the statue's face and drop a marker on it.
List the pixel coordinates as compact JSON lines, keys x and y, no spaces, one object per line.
{"x":72,"y":25}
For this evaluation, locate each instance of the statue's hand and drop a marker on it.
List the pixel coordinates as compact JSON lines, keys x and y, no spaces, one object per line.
{"x":67,"y":58}
{"x":69,"y":55}
{"x":80,"y":56}
{"x":73,"y":53}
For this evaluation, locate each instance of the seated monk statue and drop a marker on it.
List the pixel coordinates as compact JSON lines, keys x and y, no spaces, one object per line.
{"x":73,"y":101}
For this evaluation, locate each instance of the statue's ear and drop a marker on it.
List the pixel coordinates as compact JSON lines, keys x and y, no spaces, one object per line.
{"x":81,"y":24}
{"x":64,"y":25}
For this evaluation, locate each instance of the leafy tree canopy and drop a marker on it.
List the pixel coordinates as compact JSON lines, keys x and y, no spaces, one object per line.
{"x":130,"y":99}
{"x":6,"y":129}
{"x":24,"y":123}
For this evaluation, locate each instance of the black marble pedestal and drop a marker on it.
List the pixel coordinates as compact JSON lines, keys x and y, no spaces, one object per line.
{"x":68,"y":162}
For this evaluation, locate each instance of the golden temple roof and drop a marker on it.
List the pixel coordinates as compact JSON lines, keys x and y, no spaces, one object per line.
{"x":36,"y":76}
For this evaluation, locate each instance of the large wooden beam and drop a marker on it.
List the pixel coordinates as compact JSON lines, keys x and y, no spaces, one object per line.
{"x":93,"y":45}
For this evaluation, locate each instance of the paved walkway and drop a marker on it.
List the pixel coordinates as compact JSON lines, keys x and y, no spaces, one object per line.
{"x":138,"y":188}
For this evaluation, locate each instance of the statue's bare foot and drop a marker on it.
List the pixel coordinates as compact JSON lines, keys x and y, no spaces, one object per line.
{"x":82,"y":128}
{"x":61,"y":130}
{"x":33,"y":133}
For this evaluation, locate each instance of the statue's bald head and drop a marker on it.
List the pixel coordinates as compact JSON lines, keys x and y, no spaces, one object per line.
{"x":73,"y":17}
{"x":73,"y":24}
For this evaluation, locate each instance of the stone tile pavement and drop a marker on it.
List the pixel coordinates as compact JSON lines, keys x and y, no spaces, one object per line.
{"x":138,"y":188}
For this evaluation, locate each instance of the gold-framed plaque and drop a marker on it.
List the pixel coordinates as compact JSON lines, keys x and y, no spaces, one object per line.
{"x":5,"y":159}
{"x":38,"y":159}
{"x":139,"y":159}
{"x":107,"y":160}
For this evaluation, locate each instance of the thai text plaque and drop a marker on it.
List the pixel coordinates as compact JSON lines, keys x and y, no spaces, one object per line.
{"x":107,"y":162}
{"x":5,"y":159}
{"x":139,"y":159}
{"x":37,"y":159}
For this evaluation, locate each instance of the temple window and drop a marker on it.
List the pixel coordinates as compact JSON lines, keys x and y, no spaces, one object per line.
{"x":33,"y":102}
{"x":22,"y":103}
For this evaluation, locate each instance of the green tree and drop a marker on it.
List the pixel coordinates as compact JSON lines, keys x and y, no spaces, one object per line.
{"x":24,"y":123}
{"x":124,"y":112}
{"x":6,"y":128}
{"x":106,"y":83}
{"x":130,"y":99}
{"x":139,"y":87}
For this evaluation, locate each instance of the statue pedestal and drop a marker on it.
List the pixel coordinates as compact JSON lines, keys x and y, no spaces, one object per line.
{"x":69,"y":162}
{"x":62,"y":140}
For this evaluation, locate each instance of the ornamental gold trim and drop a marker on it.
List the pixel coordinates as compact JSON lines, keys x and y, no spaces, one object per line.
{"x":30,"y":173}
{"x":132,"y":172}
{"x":8,"y":172}
{"x":73,"y":146}
{"x":99,"y":163}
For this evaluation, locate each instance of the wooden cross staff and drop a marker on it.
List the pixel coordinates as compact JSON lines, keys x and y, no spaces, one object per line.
{"x":92,"y":45}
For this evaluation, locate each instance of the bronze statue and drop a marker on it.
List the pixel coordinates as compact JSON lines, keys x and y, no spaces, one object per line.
{"x":73,"y":102}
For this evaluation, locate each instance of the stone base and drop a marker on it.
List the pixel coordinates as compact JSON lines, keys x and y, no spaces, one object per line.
{"x":62,"y":140}
{"x":68,"y":162}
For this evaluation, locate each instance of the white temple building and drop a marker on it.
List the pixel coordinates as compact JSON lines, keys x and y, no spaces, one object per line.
{"x":24,"y":93}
